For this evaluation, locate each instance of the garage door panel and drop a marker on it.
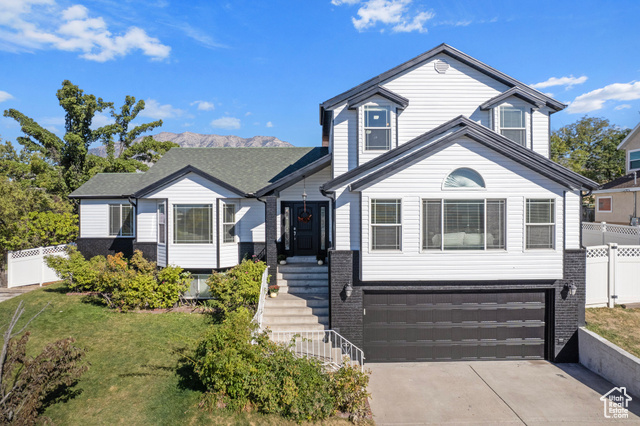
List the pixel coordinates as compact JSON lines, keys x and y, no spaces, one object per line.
{"x":451,"y":326}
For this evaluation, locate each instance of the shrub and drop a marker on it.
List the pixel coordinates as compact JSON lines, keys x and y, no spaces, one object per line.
{"x":264,"y":376}
{"x":237,"y":288}
{"x":136,"y":283}
{"x":349,"y":388}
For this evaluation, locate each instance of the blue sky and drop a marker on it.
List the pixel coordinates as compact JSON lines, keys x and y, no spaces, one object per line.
{"x":261,"y":68}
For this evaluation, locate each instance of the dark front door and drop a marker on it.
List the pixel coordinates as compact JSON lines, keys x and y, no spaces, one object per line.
{"x":304,"y":228}
{"x":454,"y":326}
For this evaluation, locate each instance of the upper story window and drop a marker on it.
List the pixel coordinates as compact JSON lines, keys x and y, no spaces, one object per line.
{"x":121,"y":220}
{"x":540,"y":224}
{"x":634,"y":160}
{"x":377,"y":128}
{"x":192,"y":224}
{"x":464,"y":178}
{"x":512,"y":124}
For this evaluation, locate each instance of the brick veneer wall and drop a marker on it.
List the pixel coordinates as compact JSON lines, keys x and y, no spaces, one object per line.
{"x":346,"y":314}
{"x":149,"y":250}
{"x":271,"y":237}
{"x":90,"y":247}
{"x":248,"y":249}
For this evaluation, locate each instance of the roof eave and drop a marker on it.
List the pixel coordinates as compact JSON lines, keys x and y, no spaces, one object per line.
{"x":182,"y":172}
{"x":294,"y":177}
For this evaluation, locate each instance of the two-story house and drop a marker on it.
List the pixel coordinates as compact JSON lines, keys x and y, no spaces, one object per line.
{"x":617,"y":201}
{"x":449,"y":233}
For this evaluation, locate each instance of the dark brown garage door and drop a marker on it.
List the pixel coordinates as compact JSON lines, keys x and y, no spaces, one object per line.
{"x":454,"y":326}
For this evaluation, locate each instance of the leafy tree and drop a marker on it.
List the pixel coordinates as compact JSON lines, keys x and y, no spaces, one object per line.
{"x":590,"y":147}
{"x":69,"y":156}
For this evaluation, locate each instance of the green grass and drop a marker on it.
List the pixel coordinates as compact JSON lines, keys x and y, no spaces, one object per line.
{"x":132,"y":377}
{"x":618,"y":325}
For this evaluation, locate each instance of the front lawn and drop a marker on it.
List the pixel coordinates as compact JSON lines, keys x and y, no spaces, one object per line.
{"x":132,"y":378}
{"x":618,"y":325}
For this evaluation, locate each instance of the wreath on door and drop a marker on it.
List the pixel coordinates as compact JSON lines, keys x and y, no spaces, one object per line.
{"x":305,"y":216}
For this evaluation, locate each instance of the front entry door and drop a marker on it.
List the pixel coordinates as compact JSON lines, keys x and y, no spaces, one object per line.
{"x":304,"y":237}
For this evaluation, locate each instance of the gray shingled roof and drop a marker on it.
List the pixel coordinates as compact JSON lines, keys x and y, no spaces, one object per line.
{"x":247,"y":169}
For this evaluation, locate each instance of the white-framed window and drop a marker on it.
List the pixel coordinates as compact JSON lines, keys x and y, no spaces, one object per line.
{"x":228,"y":223}
{"x":464,"y":178}
{"x":540,"y":224}
{"x":634,"y":160}
{"x":121,"y":219}
{"x":192,"y":224}
{"x":512,"y":124}
{"x":162,"y":223}
{"x":386,"y":224}
{"x":377,"y":128}
{"x":604,"y":204}
{"x":463,"y":224}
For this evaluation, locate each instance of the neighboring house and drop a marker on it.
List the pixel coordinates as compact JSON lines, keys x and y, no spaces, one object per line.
{"x":449,"y":232}
{"x":617,"y":201}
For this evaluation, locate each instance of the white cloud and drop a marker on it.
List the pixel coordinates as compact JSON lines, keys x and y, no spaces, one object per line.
{"x":30,"y":25}
{"x":100,"y":120}
{"x":52,"y":121}
{"x":248,"y":113}
{"x":595,"y":99}
{"x":203,"y":105}
{"x":396,"y":14}
{"x":569,"y":82}
{"x":269,"y":124}
{"x":622,"y":106}
{"x":5,"y":96}
{"x":198,"y":35}
{"x":153,"y":109}
{"x":226,"y":123}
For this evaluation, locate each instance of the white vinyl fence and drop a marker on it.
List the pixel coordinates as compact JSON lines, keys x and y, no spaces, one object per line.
{"x":27,"y":267}
{"x":596,"y":234}
{"x":613,"y":275}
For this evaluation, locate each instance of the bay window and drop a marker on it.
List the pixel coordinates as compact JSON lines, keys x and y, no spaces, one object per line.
{"x":228,"y":223}
{"x":121,"y":220}
{"x":386,"y":226}
{"x":192,"y":224}
{"x":540,"y":224}
{"x":463,"y":224}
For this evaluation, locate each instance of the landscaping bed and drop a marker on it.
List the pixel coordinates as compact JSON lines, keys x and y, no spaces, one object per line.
{"x":618,"y":325}
{"x":132,"y":378}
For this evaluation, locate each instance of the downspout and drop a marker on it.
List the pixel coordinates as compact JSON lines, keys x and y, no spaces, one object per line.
{"x":332,"y":196}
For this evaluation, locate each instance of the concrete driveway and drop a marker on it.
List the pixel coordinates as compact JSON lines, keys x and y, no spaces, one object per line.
{"x":489,"y":392}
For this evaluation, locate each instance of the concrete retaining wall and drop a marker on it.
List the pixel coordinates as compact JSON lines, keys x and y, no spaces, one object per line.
{"x":609,"y":361}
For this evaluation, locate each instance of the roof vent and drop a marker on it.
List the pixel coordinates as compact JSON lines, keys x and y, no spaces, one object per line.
{"x":441,"y":66}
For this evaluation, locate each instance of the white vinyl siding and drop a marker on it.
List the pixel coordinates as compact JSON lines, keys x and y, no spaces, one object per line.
{"x":505,"y":180}
{"x":345,"y":144}
{"x":147,"y":218}
{"x":572,"y":211}
{"x":540,"y":131}
{"x":250,"y":220}
{"x":94,"y":217}
{"x":191,"y":189}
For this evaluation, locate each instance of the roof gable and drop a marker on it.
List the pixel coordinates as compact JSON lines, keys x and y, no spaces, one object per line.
{"x":452,"y":52}
{"x":630,"y":136}
{"x":514,"y":91}
{"x":462,"y":126}
{"x":360,"y":98}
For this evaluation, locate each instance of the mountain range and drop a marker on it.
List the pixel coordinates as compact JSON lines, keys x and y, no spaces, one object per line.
{"x":197,"y":140}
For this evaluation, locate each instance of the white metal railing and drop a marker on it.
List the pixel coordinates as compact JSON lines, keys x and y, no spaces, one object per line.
{"x":595,"y":234}
{"x":327,"y":346}
{"x":26,"y":267}
{"x":264,"y":286}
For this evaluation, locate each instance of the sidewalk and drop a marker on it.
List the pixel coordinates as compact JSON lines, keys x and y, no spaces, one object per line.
{"x":10,"y":293}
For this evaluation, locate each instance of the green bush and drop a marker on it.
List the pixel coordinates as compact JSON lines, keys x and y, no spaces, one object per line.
{"x":136,"y":283}
{"x":349,"y":388}
{"x":263,"y":376}
{"x":238,"y":287}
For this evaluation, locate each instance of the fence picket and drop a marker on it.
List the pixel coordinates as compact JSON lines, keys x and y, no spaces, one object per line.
{"x":612,"y":272}
{"x":27,"y":267}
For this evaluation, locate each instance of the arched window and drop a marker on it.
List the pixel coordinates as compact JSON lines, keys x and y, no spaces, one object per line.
{"x":464,"y":178}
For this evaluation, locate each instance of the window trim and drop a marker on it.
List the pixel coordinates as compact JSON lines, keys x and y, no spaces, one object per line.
{"x":554,"y":225}
{"x":163,"y":204}
{"x":610,"y":204}
{"x":525,"y":142}
{"x":371,"y":225}
{"x":389,"y":107}
{"x":133,"y":220}
{"x":629,"y":168}
{"x":441,"y":249}
{"x":444,"y":186}
{"x":223,"y":223}
{"x":175,"y":217}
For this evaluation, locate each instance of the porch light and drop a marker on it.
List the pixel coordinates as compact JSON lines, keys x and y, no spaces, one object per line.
{"x":348,"y":289}
{"x":571,"y":289}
